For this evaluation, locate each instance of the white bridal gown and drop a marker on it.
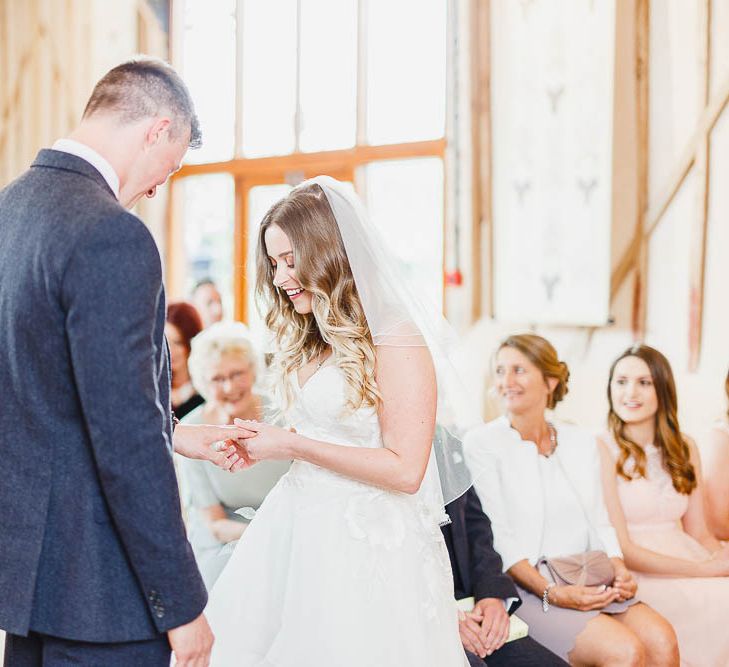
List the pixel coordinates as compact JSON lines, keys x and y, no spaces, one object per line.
{"x":333,"y":572}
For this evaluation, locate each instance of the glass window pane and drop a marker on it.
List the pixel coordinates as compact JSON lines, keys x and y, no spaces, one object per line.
{"x":269,"y":77}
{"x":208,"y":66}
{"x":260,"y":199}
{"x":208,"y":227}
{"x":405,"y":200}
{"x":328,"y":74}
{"x":406,"y":70}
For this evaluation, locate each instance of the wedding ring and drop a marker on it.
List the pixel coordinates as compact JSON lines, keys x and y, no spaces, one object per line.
{"x":220,"y":446}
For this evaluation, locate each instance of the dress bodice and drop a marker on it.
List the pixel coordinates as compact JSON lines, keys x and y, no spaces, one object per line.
{"x":320,"y":411}
{"x":652,"y":500}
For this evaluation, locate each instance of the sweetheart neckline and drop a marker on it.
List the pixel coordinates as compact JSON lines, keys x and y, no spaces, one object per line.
{"x":312,"y":376}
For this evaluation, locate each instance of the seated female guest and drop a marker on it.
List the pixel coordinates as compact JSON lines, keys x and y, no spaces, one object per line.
{"x":183,"y":324}
{"x":653,"y":491}
{"x":716,"y":487}
{"x":223,"y":368}
{"x":539,"y":481}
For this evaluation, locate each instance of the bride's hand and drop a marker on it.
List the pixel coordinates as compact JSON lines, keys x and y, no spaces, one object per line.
{"x":269,"y":443}
{"x":224,"y":446}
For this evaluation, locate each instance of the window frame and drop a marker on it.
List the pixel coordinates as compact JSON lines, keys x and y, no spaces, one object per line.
{"x":292,"y":168}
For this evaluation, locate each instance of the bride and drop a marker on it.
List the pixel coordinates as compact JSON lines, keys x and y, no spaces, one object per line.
{"x":344,"y":563}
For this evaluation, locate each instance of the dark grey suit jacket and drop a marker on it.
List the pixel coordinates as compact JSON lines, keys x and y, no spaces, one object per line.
{"x":92,"y":544}
{"x":477,"y":567}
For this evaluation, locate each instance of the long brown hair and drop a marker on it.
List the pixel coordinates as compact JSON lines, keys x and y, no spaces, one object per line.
{"x":669,"y":440}
{"x":337,"y":316}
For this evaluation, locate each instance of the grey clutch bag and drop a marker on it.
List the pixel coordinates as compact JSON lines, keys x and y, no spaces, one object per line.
{"x":589,"y":568}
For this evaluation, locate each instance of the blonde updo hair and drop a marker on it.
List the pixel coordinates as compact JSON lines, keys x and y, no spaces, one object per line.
{"x":222,"y":338}
{"x":543,"y":355}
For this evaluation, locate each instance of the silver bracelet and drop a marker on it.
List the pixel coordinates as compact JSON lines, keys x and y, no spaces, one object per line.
{"x":545,"y":597}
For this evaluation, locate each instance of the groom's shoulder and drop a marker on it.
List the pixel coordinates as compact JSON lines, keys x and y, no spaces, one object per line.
{"x":119,"y":231}
{"x":65,"y":200}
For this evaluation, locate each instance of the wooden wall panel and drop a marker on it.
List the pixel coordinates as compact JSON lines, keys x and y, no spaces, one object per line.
{"x":48,"y":65}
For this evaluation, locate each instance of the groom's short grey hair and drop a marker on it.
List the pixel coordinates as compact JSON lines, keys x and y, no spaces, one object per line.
{"x":145,"y":87}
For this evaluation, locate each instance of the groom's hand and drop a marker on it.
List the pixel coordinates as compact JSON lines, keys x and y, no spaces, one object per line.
{"x":222,"y":445}
{"x":192,"y":643}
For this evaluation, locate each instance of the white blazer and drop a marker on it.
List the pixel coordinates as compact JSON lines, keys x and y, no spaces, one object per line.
{"x":507,"y":479}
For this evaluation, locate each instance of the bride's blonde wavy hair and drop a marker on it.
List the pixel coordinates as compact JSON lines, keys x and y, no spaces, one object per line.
{"x":337,"y":318}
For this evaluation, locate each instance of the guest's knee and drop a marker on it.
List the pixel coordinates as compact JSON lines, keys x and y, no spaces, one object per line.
{"x":628,"y":652}
{"x":661,"y":643}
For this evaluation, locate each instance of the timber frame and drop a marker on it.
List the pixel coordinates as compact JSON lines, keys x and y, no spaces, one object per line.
{"x":292,"y":169}
{"x":695,"y":156}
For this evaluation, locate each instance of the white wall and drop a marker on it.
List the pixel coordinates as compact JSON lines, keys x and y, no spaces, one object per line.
{"x":674,"y":110}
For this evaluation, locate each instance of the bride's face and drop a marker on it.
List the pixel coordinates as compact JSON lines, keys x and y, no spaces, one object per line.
{"x":281,"y":255}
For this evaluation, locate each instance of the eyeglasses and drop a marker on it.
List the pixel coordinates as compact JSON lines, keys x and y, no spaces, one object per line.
{"x":233,"y":378}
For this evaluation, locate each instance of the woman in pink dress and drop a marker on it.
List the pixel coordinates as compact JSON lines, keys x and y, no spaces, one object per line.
{"x":653,"y":491}
{"x":715,"y":452}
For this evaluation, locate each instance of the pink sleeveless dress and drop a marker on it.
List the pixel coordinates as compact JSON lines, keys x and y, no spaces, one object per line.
{"x":698,"y":608}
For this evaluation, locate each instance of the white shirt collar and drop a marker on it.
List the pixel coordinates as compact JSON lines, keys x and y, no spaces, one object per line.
{"x":93,"y":158}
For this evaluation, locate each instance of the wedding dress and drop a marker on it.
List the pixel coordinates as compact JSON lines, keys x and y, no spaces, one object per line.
{"x":333,"y":572}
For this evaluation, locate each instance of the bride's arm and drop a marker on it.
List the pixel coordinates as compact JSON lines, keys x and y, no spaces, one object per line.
{"x":406,"y":381}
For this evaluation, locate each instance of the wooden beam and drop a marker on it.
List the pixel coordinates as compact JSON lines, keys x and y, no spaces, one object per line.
{"x":630,"y":140}
{"x":626,"y":265}
{"x":25,"y":85}
{"x":240,"y":251}
{"x":5,"y":170}
{"x":655,"y":213}
{"x":11,"y":97}
{"x":697,"y":260}
{"x":57,"y":108}
{"x":481,"y":161}
{"x":322,"y":162}
{"x":708,"y":119}
{"x":661,"y":203}
{"x":642,"y":82}
{"x":43,"y":70}
{"x":174,"y":243}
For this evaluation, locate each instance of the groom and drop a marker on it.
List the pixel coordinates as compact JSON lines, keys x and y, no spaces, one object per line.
{"x":95,"y":568}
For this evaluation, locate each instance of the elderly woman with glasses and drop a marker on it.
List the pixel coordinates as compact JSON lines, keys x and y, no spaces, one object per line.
{"x":220,"y":504}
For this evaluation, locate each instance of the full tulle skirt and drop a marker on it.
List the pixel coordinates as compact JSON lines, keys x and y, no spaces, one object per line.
{"x":332,"y":572}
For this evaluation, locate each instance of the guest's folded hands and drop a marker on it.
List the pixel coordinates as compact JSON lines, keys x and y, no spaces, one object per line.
{"x":494,"y":623}
{"x":469,"y":627}
{"x":624,"y":582}
{"x":583,"y":598}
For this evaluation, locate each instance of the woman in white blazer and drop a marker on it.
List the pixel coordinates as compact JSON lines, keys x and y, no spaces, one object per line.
{"x":539,"y":482}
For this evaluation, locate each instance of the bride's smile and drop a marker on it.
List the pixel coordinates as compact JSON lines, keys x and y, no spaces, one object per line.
{"x":281,"y":256}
